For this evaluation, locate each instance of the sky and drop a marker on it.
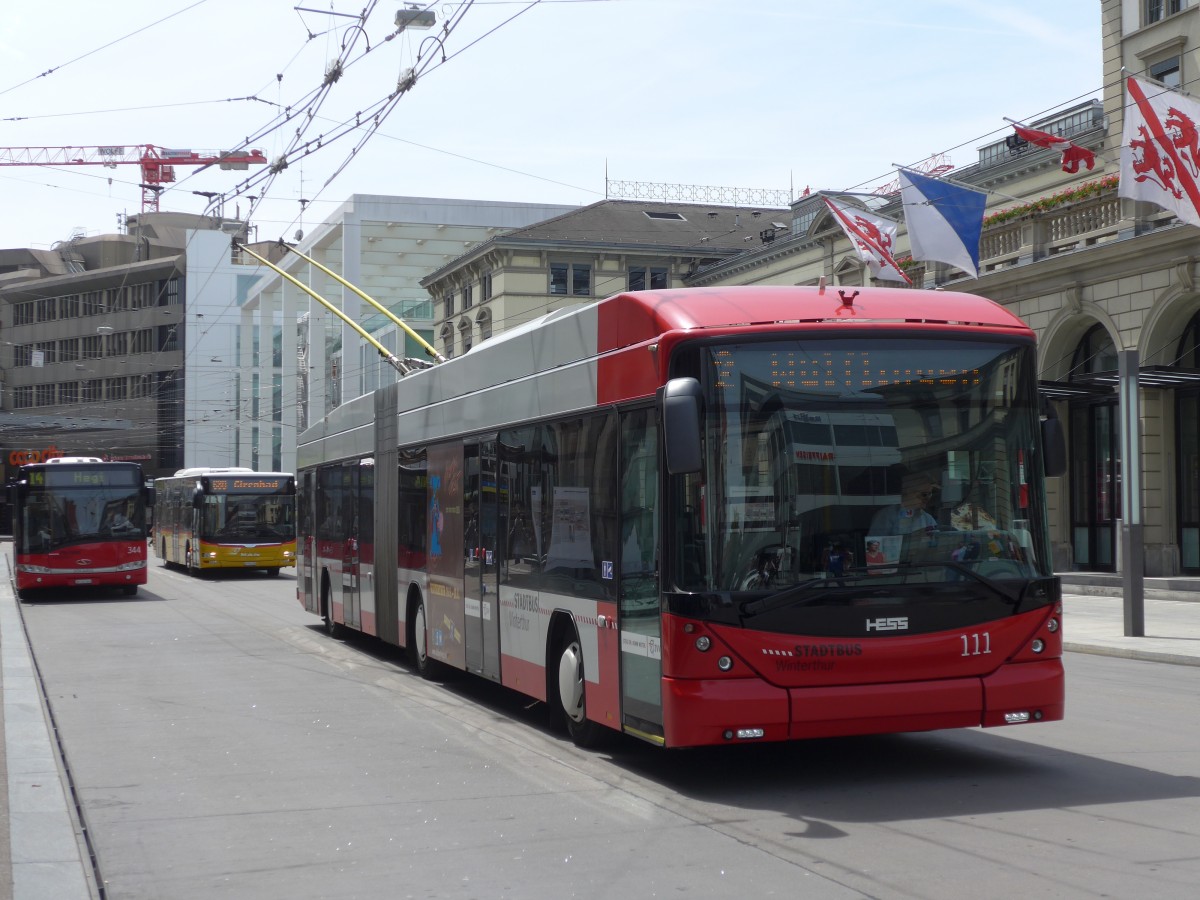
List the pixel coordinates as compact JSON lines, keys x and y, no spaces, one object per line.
{"x":513,"y":100}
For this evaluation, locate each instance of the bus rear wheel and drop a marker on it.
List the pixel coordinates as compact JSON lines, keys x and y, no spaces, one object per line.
{"x":332,"y":628}
{"x":418,"y":647}
{"x":572,"y":702}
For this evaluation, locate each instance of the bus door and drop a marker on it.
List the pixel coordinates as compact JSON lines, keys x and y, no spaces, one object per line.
{"x":351,"y":601}
{"x":481,"y":517}
{"x":639,"y":607}
{"x":307,"y":545}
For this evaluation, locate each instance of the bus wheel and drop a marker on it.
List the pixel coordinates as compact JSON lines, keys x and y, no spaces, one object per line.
{"x":571,"y":701}
{"x":332,"y":628}
{"x":129,"y":590}
{"x":418,"y":647}
{"x":273,"y":572}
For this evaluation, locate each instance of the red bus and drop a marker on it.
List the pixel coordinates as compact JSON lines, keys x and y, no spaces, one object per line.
{"x":654,"y":513}
{"x":79,"y":522}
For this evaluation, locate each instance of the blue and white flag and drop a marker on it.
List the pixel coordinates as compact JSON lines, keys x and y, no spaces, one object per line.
{"x":944,"y":220}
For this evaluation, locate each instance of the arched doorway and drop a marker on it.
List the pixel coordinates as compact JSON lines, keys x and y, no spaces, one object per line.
{"x":1095,"y":458}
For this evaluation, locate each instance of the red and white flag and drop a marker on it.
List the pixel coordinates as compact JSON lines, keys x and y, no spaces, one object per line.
{"x":1072,"y":154}
{"x":1160,"y":149}
{"x":873,"y":237}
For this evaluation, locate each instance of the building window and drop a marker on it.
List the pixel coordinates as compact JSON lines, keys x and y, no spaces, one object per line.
{"x":118,"y":344}
{"x":141,"y":386}
{"x":68,"y":307}
{"x":468,"y":296}
{"x":464,"y":333}
{"x":25,"y":313}
{"x":1159,"y":9}
{"x":22,"y":355}
{"x":143,"y":341}
{"x":68,"y":350}
{"x":1169,"y":72}
{"x":45,"y":394}
{"x":46,"y":348}
{"x":68,"y":392}
{"x":47,"y":310}
{"x":642,"y":278}
{"x":23,"y":397}
{"x":484,"y":324}
{"x":571,"y":278}
{"x":485,"y":286}
{"x":91,"y":346}
{"x":447,"y":335}
{"x":448,"y":305}
{"x":114,"y":389}
{"x":93,"y":390}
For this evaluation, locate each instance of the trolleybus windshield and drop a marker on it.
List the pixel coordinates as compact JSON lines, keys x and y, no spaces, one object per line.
{"x":863,"y":468}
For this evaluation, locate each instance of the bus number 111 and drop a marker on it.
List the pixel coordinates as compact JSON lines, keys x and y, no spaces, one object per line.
{"x":976,"y":644}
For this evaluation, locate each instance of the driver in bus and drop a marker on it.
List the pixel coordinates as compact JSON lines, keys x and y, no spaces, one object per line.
{"x":910,"y":514}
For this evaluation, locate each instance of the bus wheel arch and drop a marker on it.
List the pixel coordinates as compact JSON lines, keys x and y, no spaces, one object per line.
{"x":566,"y":687}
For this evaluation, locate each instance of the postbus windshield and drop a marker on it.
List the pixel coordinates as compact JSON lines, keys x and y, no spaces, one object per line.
{"x":863,"y":463}
{"x":73,"y":506}
{"x":247,"y":518}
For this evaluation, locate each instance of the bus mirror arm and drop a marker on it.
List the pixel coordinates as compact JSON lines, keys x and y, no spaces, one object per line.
{"x":680,"y":402}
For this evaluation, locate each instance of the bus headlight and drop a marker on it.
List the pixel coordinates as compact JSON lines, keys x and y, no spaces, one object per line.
{"x":32,"y":570}
{"x":132,"y":566}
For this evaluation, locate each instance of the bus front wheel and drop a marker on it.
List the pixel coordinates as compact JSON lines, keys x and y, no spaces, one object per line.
{"x":572,"y":703}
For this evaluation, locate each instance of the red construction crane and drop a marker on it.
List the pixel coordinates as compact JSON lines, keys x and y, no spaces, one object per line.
{"x":158,"y":163}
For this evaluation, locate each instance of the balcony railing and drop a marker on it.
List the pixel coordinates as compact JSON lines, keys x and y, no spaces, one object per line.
{"x":1041,"y":233}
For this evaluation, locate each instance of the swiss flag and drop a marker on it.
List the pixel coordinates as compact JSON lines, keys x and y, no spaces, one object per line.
{"x":1072,"y":154}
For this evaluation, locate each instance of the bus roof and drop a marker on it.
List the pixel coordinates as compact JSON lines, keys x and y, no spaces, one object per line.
{"x":587,"y":355}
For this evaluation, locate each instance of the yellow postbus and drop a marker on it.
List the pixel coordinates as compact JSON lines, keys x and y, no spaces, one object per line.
{"x":226,"y":518}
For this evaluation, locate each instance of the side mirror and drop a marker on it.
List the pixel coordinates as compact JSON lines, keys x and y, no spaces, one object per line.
{"x":680,"y":401}
{"x":1054,"y":443}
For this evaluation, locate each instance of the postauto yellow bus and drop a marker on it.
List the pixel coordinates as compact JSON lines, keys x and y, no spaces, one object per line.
{"x":226,"y":518}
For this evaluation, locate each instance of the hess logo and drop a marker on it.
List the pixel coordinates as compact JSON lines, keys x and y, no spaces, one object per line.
{"x":892,"y":623}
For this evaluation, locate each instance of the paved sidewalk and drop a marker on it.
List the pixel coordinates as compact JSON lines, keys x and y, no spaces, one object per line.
{"x":1096,"y":624}
{"x":42,"y":852}
{"x":43,"y":856}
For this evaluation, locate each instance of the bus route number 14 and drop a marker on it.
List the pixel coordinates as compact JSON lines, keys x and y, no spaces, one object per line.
{"x":976,"y":644}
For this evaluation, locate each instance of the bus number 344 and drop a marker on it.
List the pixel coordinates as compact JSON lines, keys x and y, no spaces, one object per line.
{"x":976,"y":644}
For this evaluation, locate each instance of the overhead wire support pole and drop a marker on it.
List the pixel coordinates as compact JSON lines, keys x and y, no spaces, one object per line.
{"x":429,"y":349}
{"x":395,"y":362}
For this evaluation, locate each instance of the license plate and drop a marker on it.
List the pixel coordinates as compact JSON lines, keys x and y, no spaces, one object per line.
{"x":249,"y":564}
{"x":85,"y":581}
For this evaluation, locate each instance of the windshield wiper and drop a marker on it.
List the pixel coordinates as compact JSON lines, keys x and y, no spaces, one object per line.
{"x":801,"y":594}
{"x":786,"y":596}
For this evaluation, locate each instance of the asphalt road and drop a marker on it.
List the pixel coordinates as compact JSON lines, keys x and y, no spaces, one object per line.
{"x":223,"y":746}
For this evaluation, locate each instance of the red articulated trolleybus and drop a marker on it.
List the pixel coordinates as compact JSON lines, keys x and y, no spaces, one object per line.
{"x":710,"y":515}
{"x":79,"y":522}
